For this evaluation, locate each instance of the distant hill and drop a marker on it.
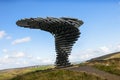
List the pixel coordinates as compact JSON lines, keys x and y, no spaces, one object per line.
{"x":115,"y":55}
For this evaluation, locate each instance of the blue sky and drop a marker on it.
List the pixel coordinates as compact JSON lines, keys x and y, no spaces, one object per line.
{"x":21,"y":47}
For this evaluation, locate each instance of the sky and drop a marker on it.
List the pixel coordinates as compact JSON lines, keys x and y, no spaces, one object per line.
{"x":20,"y":47}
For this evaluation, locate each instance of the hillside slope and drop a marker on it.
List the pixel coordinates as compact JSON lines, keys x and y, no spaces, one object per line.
{"x":92,"y":70}
{"x":108,"y":56}
{"x":46,"y":73}
{"x":11,"y":73}
{"x":58,"y":74}
{"x":109,"y":63}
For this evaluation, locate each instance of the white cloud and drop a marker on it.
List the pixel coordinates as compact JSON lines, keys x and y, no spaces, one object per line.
{"x":17,"y":63}
{"x":86,"y":56}
{"x":19,"y":55}
{"x":5,"y":50}
{"x":22,"y":63}
{"x":13,"y":59}
{"x":23,"y":40}
{"x":6,"y":57}
{"x":2,"y":34}
{"x":40,"y":60}
{"x":29,"y":56}
{"x":25,"y":62}
{"x":6,"y":60}
{"x":118,"y":47}
{"x":82,"y":55}
{"x":92,"y":53}
{"x":110,"y":49}
{"x":105,"y":49}
{"x":47,"y":61}
{"x":13,"y":54}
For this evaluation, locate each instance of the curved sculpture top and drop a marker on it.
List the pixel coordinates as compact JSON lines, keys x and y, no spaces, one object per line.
{"x":65,"y":31}
{"x":49,"y":22}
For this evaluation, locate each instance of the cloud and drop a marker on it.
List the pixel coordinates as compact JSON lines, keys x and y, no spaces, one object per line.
{"x":118,"y":47}
{"x":12,"y":58}
{"x":82,"y":55}
{"x":22,"y":63}
{"x":92,"y":53}
{"x":15,"y":55}
{"x":4,"y":50}
{"x":2,"y":34}
{"x":19,"y":55}
{"x":86,"y":56}
{"x":29,"y":56}
{"x":5,"y":60}
{"x":23,"y":40}
{"x":105,"y":49}
{"x":8,"y":61}
{"x":110,"y":49}
{"x":44,"y":60}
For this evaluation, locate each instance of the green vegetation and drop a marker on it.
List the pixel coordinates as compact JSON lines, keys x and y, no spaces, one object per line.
{"x":42,"y":68}
{"x":109,"y":69}
{"x":8,"y":74}
{"x":110,"y":65}
{"x":58,"y":74}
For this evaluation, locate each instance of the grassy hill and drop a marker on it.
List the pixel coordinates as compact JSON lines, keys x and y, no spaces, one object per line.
{"x":45,"y":73}
{"x":58,"y":74}
{"x":11,"y":73}
{"x":109,"y":63}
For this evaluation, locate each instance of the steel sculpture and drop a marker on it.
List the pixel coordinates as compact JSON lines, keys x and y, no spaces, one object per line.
{"x":65,"y":31}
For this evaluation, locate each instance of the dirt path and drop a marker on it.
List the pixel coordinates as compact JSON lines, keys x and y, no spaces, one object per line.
{"x":92,"y":70}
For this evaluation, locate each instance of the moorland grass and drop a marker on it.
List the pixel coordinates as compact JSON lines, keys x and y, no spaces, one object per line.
{"x":59,"y":74}
{"x":8,"y":74}
{"x":111,"y":65}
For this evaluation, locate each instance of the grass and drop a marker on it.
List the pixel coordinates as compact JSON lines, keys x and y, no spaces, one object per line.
{"x":45,"y":73}
{"x":6,"y":75}
{"x":110,"y":69}
{"x":112,"y":65}
{"x":58,"y":74}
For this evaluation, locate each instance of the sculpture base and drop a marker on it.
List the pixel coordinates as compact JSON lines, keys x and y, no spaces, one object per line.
{"x":57,"y":67}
